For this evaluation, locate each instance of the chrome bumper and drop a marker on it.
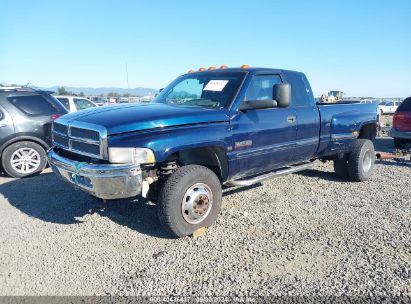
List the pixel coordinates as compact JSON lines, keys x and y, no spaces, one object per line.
{"x":103,"y":181}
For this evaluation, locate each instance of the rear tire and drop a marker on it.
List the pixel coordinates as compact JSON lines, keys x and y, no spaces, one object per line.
{"x":189,"y":199}
{"x":361,"y":160}
{"x":399,"y":143}
{"x":24,"y":158}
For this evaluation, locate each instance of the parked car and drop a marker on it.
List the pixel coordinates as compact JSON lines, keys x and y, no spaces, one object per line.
{"x":26,"y":116}
{"x":401,"y":129}
{"x":206,"y":129}
{"x":75,"y":103}
{"x":100,"y":101}
{"x":388,"y":107}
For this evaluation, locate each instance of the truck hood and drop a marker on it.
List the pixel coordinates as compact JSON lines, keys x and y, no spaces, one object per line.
{"x":136,"y":117}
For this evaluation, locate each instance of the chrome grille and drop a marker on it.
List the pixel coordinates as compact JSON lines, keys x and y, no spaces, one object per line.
{"x":83,"y":133}
{"x":81,"y":138}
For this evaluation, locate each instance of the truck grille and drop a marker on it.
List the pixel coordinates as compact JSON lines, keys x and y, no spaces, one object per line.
{"x":79,"y":139}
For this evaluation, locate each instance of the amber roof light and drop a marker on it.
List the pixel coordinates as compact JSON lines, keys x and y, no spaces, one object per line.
{"x":190,"y":71}
{"x":223,"y":67}
{"x":245,"y":66}
{"x":202,"y":69}
{"x":211,"y":68}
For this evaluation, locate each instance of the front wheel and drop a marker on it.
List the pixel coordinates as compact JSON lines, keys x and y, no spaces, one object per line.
{"x":24,"y":158}
{"x":189,"y":199}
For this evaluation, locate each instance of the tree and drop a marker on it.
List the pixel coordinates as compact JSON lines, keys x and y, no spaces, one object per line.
{"x":112,"y":94}
{"x":62,"y":91}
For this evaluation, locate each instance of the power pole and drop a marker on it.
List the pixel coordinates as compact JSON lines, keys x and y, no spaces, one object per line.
{"x":127,"y":76}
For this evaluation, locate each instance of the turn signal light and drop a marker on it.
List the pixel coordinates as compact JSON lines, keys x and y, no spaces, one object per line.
{"x":245,"y":66}
{"x":55,"y":116}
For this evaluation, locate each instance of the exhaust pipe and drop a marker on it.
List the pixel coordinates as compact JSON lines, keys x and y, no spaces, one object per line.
{"x":384,"y":155}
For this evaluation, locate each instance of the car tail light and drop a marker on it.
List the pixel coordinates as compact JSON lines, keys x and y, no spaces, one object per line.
{"x":402,"y":121}
{"x":54,"y":117}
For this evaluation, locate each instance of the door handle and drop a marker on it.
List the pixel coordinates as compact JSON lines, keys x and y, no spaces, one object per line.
{"x":291,"y":119}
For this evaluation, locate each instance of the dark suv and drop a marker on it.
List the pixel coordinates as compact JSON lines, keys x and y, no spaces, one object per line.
{"x":26,"y":116}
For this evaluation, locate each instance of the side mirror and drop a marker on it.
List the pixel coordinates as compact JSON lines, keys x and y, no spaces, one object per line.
{"x":282,"y":94}
{"x":160,"y":90}
{"x":257,"y":104}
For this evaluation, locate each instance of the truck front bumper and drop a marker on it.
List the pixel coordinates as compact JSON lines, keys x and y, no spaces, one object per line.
{"x":106,"y":181}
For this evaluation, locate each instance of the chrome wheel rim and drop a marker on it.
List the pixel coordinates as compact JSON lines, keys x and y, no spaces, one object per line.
{"x":197,"y":203}
{"x":367,"y":161}
{"x":25,"y":160}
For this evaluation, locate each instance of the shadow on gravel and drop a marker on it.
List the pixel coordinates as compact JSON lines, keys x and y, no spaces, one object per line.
{"x":329,"y":176}
{"x":50,"y":199}
{"x":231,"y":190}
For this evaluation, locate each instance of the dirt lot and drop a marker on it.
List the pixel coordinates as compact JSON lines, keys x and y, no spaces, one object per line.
{"x":303,"y":234}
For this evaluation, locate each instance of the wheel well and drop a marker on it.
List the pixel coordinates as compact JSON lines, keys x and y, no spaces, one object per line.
{"x":368,"y":131}
{"x":214,"y":158}
{"x":19,"y":139}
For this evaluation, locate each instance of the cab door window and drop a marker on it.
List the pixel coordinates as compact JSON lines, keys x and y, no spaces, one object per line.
{"x":261,"y":87}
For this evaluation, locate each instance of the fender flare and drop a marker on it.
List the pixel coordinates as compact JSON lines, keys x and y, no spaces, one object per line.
{"x":13,"y":140}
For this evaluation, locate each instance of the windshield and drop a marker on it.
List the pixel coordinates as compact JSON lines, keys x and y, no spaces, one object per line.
{"x":205,"y":89}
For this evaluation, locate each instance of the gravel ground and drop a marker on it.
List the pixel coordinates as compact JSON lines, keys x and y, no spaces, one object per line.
{"x":303,"y":234}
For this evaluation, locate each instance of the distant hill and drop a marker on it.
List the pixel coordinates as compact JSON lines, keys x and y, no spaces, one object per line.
{"x":139,"y":91}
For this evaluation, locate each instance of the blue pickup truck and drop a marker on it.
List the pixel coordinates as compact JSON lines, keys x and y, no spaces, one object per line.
{"x":209,"y":129}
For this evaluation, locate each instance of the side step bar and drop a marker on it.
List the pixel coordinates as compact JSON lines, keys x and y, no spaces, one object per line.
{"x":258,"y":179}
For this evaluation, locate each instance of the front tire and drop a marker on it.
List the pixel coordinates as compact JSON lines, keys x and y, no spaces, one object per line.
{"x":24,"y":158}
{"x":361,"y":160}
{"x":189,"y":199}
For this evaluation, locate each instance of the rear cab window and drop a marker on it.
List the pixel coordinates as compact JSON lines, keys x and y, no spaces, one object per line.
{"x":65,"y":102}
{"x":36,"y":104}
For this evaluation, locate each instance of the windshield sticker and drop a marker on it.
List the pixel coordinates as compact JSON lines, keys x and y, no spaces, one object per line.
{"x":215,"y":85}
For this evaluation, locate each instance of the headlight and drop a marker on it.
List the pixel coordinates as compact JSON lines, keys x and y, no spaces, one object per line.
{"x":131,"y":156}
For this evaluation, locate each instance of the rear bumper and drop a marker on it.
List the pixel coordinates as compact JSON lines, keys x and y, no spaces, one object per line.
{"x":399,"y":134}
{"x":103,"y":181}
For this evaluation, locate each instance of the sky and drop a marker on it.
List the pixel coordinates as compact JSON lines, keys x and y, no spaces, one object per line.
{"x":359,"y":47}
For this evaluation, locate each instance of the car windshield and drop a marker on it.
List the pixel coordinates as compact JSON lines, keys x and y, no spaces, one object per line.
{"x":204,"y":89}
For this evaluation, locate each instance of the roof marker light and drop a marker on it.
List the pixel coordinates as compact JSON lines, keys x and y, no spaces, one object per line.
{"x":211,"y":68}
{"x":202,"y":69}
{"x":223,"y":67}
{"x":245,"y":66}
{"x":190,"y":71}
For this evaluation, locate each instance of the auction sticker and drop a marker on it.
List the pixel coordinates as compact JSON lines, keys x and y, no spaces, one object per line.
{"x":215,"y":85}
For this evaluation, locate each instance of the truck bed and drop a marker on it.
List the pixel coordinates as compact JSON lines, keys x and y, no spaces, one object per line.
{"x":342,"y":123}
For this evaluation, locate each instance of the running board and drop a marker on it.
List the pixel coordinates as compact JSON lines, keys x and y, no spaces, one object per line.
{"x":261,"y":178}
